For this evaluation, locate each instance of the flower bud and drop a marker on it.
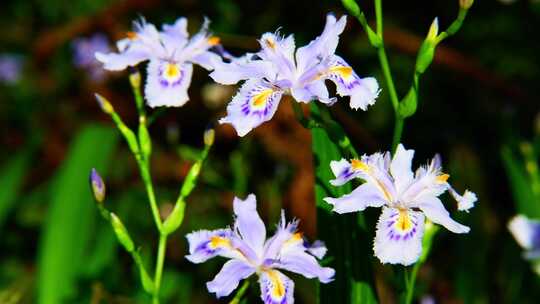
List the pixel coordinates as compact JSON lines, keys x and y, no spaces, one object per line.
{"x":121,"y":233}
{"x":209,"y":136}
{"x":433,"y":31}
{"x":97,"y":185}
{"x":104,"y":104}
{"x":465,"y":4}
{"x":134,"y":77}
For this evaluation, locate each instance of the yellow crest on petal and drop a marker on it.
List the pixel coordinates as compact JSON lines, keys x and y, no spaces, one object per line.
{"x":219,"y":242}
{"x":342,"y":71}
{"x":404,"y":223}
{"x":359,"y":165}
{"x":441,"y":179}
{"x":260,"y":99}
{"x":278,"y":286}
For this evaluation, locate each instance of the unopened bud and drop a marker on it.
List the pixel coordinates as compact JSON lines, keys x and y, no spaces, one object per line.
{"x":97,"y":185}
{"x":466,"y":4}
{"x":209,"y":136}
{"x":104,"y":104}
{"x":121,"y":233}
{"x":433,"y":31}
{"x":134,"y":77}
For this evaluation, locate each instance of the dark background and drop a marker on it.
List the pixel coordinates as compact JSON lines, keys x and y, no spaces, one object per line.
{"x":478,"y":108}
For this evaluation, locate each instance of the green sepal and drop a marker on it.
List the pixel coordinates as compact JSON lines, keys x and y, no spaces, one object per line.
{"x":407,"y":107}
{"x":174,"y":220}
{"x":146,"y":281}
{"x":121,"y":233}
{"x":145,"y":141}
{"x":425,"y":56}
{"x":191,"y":179}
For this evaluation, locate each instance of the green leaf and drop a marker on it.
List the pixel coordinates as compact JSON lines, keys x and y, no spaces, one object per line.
{"x":11,"y":178}
{"x":71,"y":215}
{"x":347,"y":243}
{"x":526,"y":202}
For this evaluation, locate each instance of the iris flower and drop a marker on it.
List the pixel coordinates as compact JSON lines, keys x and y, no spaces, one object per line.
{"x":527,"y":233}
{"x":171,"y":54}
{"x":277,"y":70}
{"x":406,"y":199}
{"x":249,"y":252}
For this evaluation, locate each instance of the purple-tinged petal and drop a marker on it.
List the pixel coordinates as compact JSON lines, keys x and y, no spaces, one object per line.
{"x":305,"y":264}
{"x":435,"y":211}
{"x":279,"y":51}
{"x":317,"y":249}
{"x":365,"y":195}
{"x":241,"y":69}
{"x":205,"y":244}
{"x":465,"y":201}
{"x":276,"y":288}
{"x":343,"y":171}
{"x":248,"y":223}
{"x":208,"y":60}
{"x":285,"y":233}
{"x":255,"y":103}
{"x":167,"y":83}
{"x":315,"y":90}
{"x":526,"y":232}
{"x":229,"y":277}
{"x":118,"y":62}
{"x":363,"y":91}
{"x":398,"y":239}
{"x":322,"y":46}
{"x":175,"y":36}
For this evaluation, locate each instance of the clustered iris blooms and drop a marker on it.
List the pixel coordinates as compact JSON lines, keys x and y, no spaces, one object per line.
{"x":406,"y":198}
{"x":277,"y":70}
{"x":171,"y":54}
{"x":249,"y":252}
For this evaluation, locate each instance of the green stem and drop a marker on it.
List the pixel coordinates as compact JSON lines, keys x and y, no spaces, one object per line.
{"x":410,"y":282}
{"x":240,"y":294}
{"x":398,"y":130}
{"x":160,"y":260}
{"x":145,"y":174}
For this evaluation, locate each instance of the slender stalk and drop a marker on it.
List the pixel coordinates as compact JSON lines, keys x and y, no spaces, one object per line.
{"x":410,"y":282}
{"x":145,"y":174}
{"x":398,"y":130}
{"x":240,"y":294}
{"x":160,"y":260}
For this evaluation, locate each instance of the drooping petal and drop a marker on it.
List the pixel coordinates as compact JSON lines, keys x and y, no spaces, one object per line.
{"x":363,"y":91}
{"x":118,"y":62}
{"x":365,"y":195}
{"x":300,"y":262}
{"x":276,"y":288}
{"x":434,"y":210}
{"x":343,"y":171}
{"x":317,"y":249}
{"x":206,"y":244}
{"x":322,"y":46}
{"x":398,"y":239}
{"x":314,"y":90}
{"x":229,"y":277}
{"x":167,"y":83}
{"x":400,"y":168}
{"x":243,"y":68}
{"x":248,"y":223}
{"x":208,"y":60}
{"x":525,"y":231}
{"x":255,"y":103}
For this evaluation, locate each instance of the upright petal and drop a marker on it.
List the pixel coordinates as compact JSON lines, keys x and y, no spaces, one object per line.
{"x":206,"y":244}
{"x":175,"y":36}
{"x":363,"y":91}
{"x":167,"y":83}
{"x":322,"y":46}
{"x":400,"y":168}
{"x":256,"y":103}
{"x":276,"y":288}
{"x":279,"y":51}
{"x":248,"y":223}
{"x":229,"y":277}
{"x":300,"y":262}
{"x":435,"y":211}
{"x":365,"y":195}
{"x":525,"y":231}
{"x":398,"y":239}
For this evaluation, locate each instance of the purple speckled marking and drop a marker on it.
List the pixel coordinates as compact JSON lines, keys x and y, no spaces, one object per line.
{"x":246,"y":106}
{"x":164,"y":82}
{"x":394,"y":235}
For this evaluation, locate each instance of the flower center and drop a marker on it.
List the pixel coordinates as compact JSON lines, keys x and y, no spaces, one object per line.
{"x":403,"y":223}
{"x":260,"y":99}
